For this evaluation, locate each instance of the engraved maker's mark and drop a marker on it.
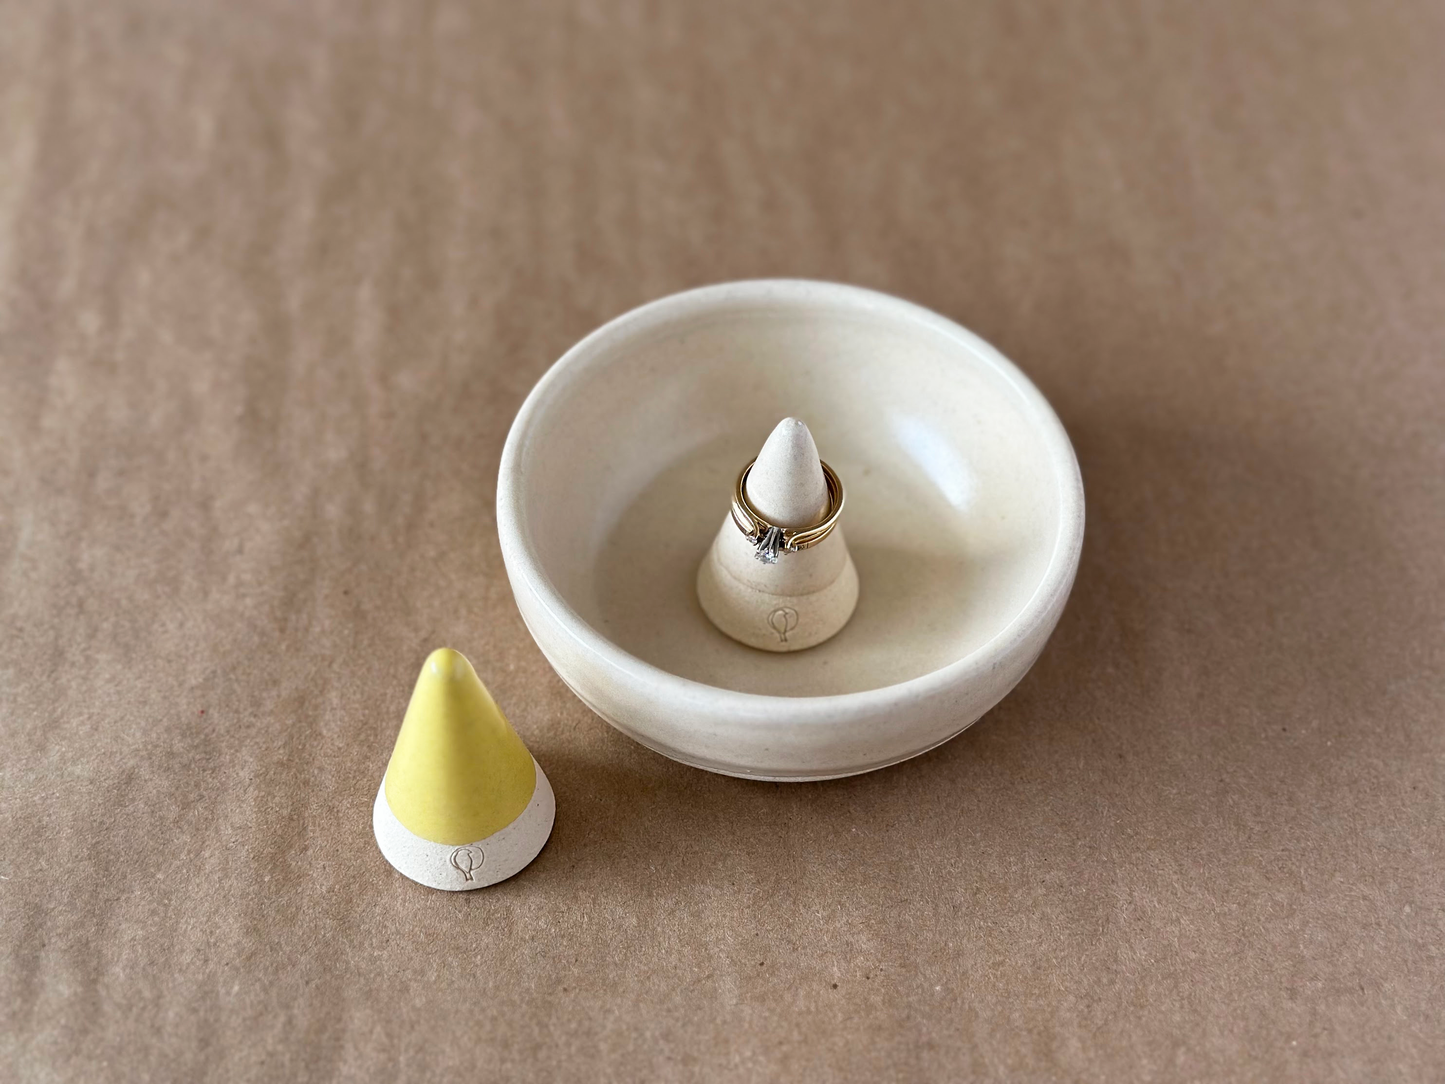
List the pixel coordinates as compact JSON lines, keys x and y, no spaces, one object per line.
{"x":467,"y":860}
{"x":783,"y":620}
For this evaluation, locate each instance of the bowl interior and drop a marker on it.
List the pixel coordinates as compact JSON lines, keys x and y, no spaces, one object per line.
{"x":951,"y":462}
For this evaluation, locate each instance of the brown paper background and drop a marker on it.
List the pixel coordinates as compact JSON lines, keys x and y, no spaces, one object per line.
{"x":274,"y":278}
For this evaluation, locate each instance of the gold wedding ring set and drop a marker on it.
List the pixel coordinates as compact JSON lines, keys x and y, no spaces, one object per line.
{"x":771,"y":540}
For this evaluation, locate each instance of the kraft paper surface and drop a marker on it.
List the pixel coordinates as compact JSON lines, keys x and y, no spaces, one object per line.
{"x":274,"y":279}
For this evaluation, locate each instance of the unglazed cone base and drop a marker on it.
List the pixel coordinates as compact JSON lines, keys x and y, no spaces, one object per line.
{"x":484,"y":862}
{"x":774,"y":622}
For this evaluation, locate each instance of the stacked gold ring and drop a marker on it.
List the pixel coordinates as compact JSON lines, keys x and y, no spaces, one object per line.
{"x":770,"y":539}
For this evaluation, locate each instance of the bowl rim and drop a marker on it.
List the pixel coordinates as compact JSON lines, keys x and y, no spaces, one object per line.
{"x":519,"y":553}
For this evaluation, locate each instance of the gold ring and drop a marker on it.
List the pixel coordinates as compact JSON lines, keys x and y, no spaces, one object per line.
{"x":769,"y":539}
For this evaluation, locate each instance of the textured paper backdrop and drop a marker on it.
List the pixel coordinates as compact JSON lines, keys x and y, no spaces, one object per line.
{"x":274,"y":278}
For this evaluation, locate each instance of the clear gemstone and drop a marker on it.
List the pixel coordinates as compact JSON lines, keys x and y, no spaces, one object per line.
{"x":769,"y":543}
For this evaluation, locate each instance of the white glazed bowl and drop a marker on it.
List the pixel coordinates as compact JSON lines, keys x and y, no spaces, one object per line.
{"x":965,"y":517}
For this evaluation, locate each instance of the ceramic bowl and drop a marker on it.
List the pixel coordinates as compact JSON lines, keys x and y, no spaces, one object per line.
{"x":965,"y":517}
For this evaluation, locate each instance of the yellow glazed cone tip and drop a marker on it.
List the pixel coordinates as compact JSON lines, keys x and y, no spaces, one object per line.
{"x":459,"y":772}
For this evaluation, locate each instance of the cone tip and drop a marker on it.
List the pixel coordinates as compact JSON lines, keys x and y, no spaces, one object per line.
{"x":786,"y":484}
{"x":792,"y":428}
{"x":791,"y":442}
{"x":446,"y":662}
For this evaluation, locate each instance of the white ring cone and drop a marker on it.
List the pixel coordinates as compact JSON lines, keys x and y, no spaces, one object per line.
{"x":470,"y":865}
{"x":808,"y":595}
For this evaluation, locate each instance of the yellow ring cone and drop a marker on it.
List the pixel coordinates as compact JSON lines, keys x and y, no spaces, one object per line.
{"x":463,"y":804}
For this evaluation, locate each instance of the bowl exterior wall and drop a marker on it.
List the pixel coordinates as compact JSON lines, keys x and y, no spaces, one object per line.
{"x":779,"y":739}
